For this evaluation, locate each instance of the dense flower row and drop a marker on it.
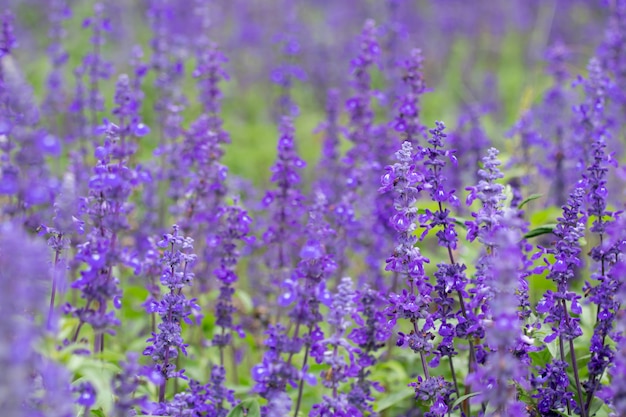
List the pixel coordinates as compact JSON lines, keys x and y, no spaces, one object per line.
{"x":368,"y":289}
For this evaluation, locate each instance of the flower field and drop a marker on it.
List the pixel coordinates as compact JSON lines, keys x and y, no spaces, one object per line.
{"x":317,"y":208}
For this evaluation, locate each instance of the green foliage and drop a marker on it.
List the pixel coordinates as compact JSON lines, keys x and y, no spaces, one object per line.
{"x":246,"y":408}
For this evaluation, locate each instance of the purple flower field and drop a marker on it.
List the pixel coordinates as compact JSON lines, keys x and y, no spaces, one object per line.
{"x":319,"y":208}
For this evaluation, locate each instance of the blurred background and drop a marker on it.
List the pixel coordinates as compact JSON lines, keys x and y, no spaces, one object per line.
{"x":484,"y":59}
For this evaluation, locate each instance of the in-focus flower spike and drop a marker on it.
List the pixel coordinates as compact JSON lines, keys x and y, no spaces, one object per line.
{"x":595,"y":183}
{"x":450,"y":276}
{"x":332,"y":351}
{"x":553,"y":393}
{"x":108,"y":208}
{"x":407,"y":119}
{"x":434,"y":157}
{"x":173,"y":308}
{"x":405,"y":181}
{"x":503,"y":371}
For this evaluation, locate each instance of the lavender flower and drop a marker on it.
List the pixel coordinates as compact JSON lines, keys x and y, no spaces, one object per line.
{"x":329,"y":167}
{"x":173,"y":308}
{"x":611,"y":50}
{"x":371,"y":333}
{"x":554,"y":394}
{"x":285,"y":208}
{"x":274,"y":374}
{"x":595,"y":183}
{"x":569,"y":231}
{"x":288,"y":70}
{"x":615,"y":392}
{"x":54,"y":102}
{"x":359,"y":108}
{"x":26,"y":179}
{"x":590,"y":120}
{"x":107,"y":206}
{"x":234,"y":226}
{"x":405,"y":181}
{"x":23,"y":302}
{"x":407,"y":120}
{"x":125,"y":385}
{"x":95,"y":66}
{"x":486,"y":220}
{"x":495,"y":380}
{"x":332,"y":350}
{"x":470,"y":136}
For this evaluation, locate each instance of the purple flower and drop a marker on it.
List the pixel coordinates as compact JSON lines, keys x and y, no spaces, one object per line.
{"x":407,"y":119}
{"x":173,"y":308}
{"x":32,"y":384}
{"x":54,"y":102}
{"x":331,"y":352}
{"x":274,"y":373}
{"x":233,"y":226}
{"x":567,"y":252}
{"x":502,"y":370}
{"x":94,"y":64}
{"x":85,"y":394}
{"x":285,"y":207}
{"x":125,"y":385}
{"x":329,"y":166}
{"x":370,"y":334}
{"x":107,"y":206}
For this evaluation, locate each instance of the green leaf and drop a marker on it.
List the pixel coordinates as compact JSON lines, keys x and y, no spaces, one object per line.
{"x":541,"y":230}
{"x":394,"y":398}
{"x":530,"y":198}
{"x":98,"y":413}
{"x":463,"y":398}
{"x":596,"y":406}
{"x":540,"y":358}
{"x":246,"y":408}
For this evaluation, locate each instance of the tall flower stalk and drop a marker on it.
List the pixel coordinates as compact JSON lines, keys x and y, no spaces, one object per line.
{"x":569,"y":231}
{"x":411,"y":304}
{"x":173,"y":308}
{"x":332,"y":350}
{"x":234,"y":224}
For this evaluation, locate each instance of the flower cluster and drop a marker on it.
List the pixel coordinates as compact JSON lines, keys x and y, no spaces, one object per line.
{"x":173,"y":308}
{"x":511,"y":304}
